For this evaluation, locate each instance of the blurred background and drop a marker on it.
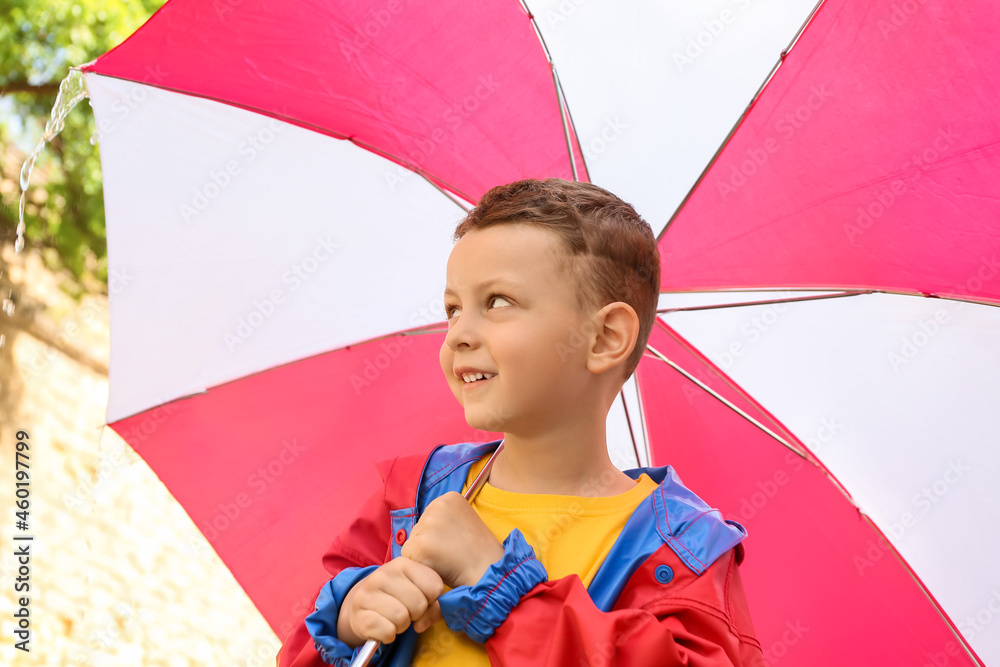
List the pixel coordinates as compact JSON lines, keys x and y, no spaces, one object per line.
{"x":119,"y":573}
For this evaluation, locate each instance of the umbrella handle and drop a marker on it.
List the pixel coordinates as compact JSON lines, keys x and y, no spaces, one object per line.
{"x":366,"y":653}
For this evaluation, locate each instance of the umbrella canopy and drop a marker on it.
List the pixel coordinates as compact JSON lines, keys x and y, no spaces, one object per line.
{"x":282,"y":181}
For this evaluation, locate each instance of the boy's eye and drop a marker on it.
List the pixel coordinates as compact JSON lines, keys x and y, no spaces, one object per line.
{"x":451,"y":311}
{"x":493,"y":297}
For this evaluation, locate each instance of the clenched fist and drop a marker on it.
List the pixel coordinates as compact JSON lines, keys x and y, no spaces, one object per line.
{"x":384,"y":603}
{"x":451,"y":539}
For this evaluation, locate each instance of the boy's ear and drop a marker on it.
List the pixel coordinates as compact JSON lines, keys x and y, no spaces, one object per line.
{"x":617,"y":328}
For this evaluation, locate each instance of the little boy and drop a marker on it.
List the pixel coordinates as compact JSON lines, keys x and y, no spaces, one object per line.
{"x":561,"y":559}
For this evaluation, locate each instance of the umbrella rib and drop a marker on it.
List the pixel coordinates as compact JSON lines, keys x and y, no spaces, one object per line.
{"x":459,"y":202}
{"x":850,"y":292}
{"x":642,"y":421}
{"x":564,"y":115}
{"x":762,"y":302}
{"x":923,"y":589}
{"x":572,"y":127}
{"x":725,"y":401}
{"x":423,"y":329}
{"x":407,"y":165}
{"x":739,"y":121}
{"x":628,"y":421}
{"x":810,"y":458}
{"x":291,"y":120}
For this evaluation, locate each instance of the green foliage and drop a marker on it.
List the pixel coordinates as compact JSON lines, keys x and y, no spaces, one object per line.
{"x":39,"y":41}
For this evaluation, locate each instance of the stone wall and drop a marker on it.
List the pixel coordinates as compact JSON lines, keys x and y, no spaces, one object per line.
{"x":114,"y":579}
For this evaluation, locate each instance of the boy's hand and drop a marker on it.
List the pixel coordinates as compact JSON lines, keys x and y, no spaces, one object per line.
{"x":383,"y":604}
{"x":451,"y":539}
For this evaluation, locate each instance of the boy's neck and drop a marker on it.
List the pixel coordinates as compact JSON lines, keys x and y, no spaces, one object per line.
{"x":559,"y":463}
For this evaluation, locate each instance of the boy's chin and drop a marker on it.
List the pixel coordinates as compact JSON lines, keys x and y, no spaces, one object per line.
{"x":482,"y":419}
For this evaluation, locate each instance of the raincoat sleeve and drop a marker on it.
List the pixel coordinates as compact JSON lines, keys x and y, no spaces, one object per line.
{"x":354,"y":554}
{"x":684,"y":620}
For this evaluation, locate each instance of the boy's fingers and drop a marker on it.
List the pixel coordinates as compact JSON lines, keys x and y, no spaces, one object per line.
{"x":430,"y":617}
{"x":381,"y":621}
{"x":403,"y":591}
{"x":427,"y":580}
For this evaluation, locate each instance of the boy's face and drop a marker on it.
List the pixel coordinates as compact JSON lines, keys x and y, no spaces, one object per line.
{"x":520,"y":327}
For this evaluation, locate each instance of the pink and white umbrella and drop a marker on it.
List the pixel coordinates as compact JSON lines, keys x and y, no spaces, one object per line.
{"x":281,"y":184}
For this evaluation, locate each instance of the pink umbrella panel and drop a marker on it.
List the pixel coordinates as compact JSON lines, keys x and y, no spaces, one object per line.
{"x":310,"y":163}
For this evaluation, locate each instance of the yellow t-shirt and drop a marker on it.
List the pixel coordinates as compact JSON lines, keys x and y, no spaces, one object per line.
{"x":570,"y":535}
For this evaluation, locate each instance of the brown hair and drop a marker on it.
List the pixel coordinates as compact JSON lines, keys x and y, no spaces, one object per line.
{"x":612,"y":251}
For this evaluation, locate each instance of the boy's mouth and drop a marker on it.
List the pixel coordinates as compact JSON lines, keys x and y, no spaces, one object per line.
{"x":474,"y":384}
{"x":476,"y":377}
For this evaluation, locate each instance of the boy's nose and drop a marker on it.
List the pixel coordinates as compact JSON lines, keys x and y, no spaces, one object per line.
{"x":461,"y":332}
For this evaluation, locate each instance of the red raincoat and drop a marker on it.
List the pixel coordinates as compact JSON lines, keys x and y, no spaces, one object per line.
{"x":668,"y":593}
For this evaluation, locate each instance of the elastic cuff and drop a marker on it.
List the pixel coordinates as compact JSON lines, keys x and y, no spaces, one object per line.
{"x":479,"y":610}
{"x":322,"y":623}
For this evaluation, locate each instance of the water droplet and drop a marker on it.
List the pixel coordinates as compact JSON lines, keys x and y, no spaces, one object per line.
{"x":8,"y":307}
{"x":72,"y":90}
{"x":94,"y":138}
{"x":29,"y":164}
{"x":3,"y":339}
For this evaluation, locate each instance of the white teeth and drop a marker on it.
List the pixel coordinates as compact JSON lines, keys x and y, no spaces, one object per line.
{"x":472,"y":377}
